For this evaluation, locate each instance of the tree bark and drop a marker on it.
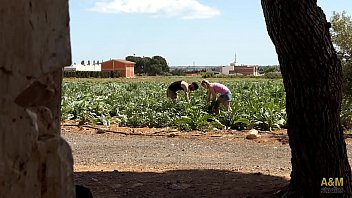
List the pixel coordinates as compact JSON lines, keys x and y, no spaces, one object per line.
{"x":312,"y":78}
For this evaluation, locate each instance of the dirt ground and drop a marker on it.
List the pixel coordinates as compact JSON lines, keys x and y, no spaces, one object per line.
{"x":144,"y":162}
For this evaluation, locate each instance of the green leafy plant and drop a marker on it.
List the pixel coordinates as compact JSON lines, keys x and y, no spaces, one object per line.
{"x":256,"y":104}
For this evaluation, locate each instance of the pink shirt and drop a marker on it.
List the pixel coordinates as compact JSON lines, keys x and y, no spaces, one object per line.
{"x":220,"y":88}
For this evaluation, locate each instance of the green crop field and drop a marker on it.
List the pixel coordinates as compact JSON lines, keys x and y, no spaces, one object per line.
{"x":142,"y":102}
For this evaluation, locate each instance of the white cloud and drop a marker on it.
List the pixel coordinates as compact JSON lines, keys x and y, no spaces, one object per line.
{"x":186,"y":9}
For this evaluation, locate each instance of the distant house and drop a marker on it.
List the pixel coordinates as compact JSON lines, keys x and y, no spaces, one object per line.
{"x":244,"y":70}
{"x":125,"y":68}
{"x":226,"y":69}
{"x":235,"y":68}
{"x":79,"y":67}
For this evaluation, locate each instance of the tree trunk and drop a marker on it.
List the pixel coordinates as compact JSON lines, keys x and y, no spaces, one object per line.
{"x":312,"y":78}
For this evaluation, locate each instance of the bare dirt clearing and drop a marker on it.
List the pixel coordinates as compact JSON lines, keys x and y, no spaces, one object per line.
{"x":166,"y":163}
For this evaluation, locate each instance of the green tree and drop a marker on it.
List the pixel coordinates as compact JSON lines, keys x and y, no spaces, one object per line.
{"x":145,"y":65}
{"x":341,"y":34}
{"x":155,"y":69}
{"x":137,"y":67}
{"x":312,"y":77}
{"x":133,"y":58}
{"x":156,"y":65}
{"x":178,"y":72}
{"x":162,"y":62}
{"x":269,"y":69}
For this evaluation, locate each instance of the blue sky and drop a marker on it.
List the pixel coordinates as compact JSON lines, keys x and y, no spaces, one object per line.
{"x":185,"y":32}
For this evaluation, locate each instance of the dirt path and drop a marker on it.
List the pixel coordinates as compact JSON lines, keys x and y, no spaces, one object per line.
{"x":207,"y":165}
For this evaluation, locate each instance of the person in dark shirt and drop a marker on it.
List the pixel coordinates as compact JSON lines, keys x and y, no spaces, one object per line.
{"x":180,"y":85}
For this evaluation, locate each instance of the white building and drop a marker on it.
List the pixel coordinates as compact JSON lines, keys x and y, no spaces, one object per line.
{"x":79,"y":67}
{"x":226,"y":69}
{"x":235,"y":69}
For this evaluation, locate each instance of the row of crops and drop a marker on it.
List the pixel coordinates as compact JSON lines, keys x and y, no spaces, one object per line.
{"x":256,"y":104}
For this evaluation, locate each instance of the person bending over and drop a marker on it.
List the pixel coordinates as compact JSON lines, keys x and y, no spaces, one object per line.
{"x":180,"y":85}
{"x":213,"y":90}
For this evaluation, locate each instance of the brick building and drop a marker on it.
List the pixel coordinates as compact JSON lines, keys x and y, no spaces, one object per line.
{"x":125,"y":68}
{"x":244,"y":70}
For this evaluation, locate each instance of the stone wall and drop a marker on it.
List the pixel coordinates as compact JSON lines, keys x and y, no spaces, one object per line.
{"x":34,"y":46}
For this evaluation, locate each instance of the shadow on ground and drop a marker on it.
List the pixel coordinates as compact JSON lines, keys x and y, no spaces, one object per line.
{"x":180,"y":183}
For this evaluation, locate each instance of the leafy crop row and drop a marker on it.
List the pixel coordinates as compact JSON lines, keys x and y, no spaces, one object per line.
{"x":256,"y":104}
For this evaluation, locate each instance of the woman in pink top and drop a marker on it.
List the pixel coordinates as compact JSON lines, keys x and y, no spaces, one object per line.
{"x":224,"y":98}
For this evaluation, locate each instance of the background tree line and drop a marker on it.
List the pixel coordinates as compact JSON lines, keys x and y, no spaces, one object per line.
{"x":341,"y":36}
{"x":341,"y":33}
{"x":157,"y":65}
